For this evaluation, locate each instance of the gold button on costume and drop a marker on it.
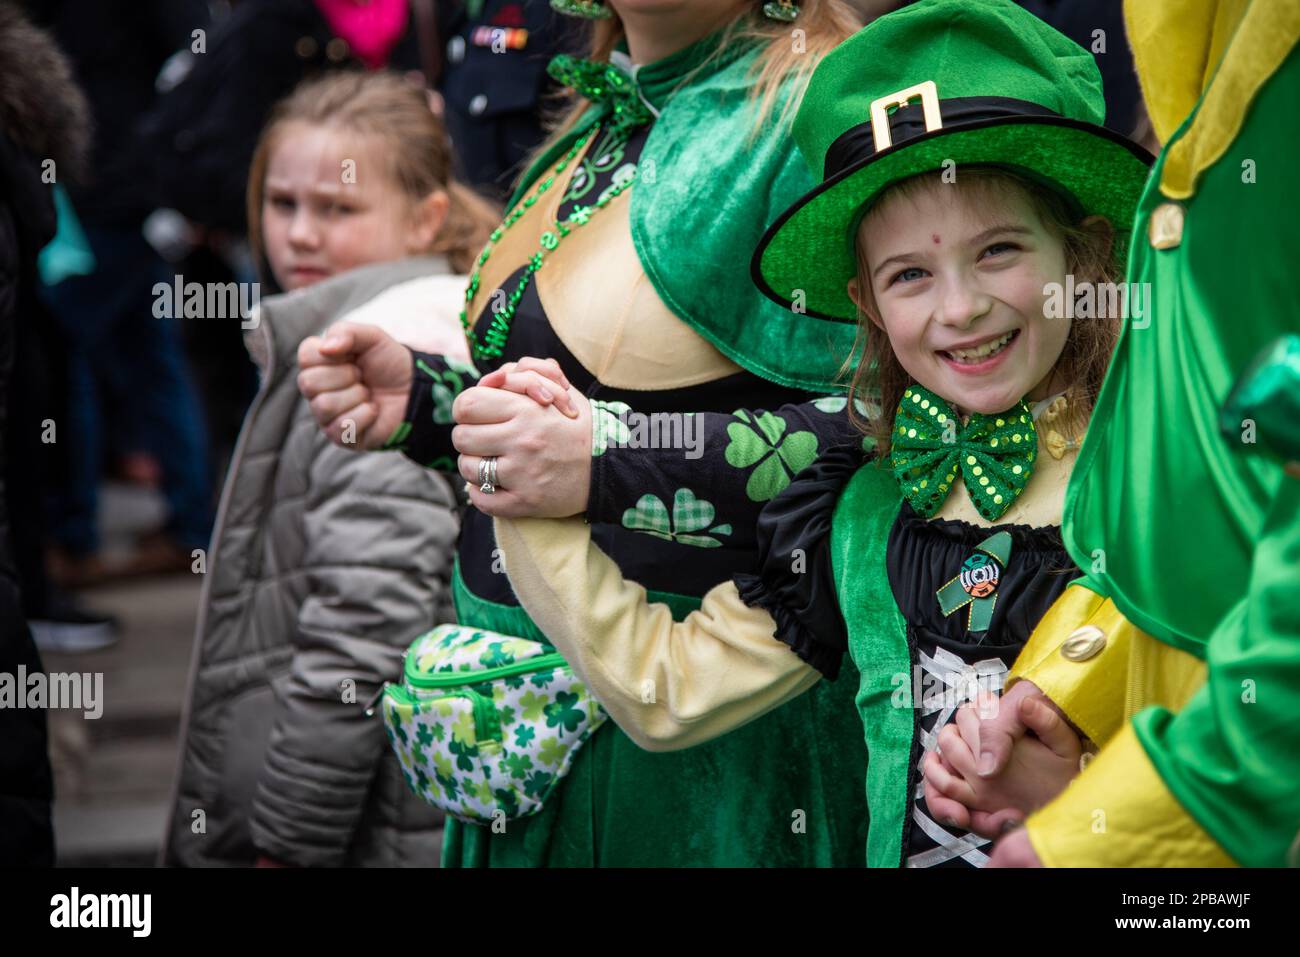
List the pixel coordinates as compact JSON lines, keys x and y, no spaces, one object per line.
{"x":1166,"y":226}
{"x":1084,"y":643}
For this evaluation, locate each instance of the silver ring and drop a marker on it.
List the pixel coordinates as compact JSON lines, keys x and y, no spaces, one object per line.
{"x":487,"y":474}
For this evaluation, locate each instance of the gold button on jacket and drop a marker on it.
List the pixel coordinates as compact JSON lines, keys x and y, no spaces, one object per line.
{"x":1165,"y":228}
{"x":1084,"y":643}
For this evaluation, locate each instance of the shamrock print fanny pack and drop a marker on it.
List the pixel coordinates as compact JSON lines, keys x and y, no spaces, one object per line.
{"x":486,"y":725}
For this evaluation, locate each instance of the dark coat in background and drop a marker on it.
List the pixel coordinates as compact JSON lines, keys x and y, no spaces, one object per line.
{"x":201,"y":134}
{"x":117,"y":48}
{"x":43,"y":117}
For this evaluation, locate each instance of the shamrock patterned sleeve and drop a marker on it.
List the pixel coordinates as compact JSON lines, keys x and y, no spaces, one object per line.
{"x":738,"y":460}
{"x":424,"y":436}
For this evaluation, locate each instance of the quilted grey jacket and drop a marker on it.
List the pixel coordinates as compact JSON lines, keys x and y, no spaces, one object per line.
{"x":325,"y":564}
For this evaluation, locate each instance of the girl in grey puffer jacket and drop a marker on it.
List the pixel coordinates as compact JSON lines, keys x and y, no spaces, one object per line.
{"x":325,"y":565}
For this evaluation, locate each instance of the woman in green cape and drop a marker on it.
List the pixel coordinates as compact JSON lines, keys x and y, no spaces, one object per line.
{"x":623,"y":258}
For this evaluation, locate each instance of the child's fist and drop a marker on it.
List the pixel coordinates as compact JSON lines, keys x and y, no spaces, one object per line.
{"x":357,"y":379}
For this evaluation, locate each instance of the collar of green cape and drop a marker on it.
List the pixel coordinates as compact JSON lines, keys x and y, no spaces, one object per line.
{"x":706,"y":173}
{"x":930,"y":449}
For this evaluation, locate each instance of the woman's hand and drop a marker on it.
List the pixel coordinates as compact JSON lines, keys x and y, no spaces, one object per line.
{"x":1039,"y":769}
{"x":357,"y":379}
{"x":543,"y":456}
{"x":542,"y":380}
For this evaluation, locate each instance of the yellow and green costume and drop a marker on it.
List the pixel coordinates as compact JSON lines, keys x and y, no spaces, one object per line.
{"x":1191,"y":540}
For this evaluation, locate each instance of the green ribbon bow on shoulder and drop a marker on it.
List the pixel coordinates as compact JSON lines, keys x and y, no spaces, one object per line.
{"x":976,"y":585}
{"x":606,"y":85}
{"x":930,"y":448}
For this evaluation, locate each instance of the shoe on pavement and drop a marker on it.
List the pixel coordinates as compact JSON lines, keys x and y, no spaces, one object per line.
{"x":72,"y":631}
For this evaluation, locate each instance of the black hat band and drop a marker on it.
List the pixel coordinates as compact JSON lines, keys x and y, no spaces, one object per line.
{"x":857,"y":143}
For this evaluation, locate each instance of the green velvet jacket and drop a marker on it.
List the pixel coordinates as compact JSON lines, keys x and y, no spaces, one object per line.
{"x":1197,"y":537}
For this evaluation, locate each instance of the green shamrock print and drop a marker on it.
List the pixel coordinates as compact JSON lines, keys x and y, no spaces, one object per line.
{"x":441,"y":766}
{"x":447,"y":385}
{"x":533,"y":705}
{"x":519,"y":765}
{"x":551,"y":753}
{"x":537,"y":783}
{"x":606,"y":427}
{"x":463,"y":728}
{"x":690,"y":515}
{"x":396,"y":724}
{"x":562,"y":712}
{"x":464,"y":754}
{"x":509,"y":801}
{"x":776,"y":457}
{"x":496,"y":656}
{"x":524,"y":734}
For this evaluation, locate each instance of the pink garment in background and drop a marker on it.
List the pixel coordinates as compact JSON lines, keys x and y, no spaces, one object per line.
{"x":371,"y":27}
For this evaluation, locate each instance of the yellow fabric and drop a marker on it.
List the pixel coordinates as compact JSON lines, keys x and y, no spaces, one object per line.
{"x":667,"y":684}
{"x":1119,"y":813}
{"x":1132,"y":671}
{"x":1177,"y":48}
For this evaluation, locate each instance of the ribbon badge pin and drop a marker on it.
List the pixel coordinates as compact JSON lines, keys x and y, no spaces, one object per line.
{"x":976,"y":585}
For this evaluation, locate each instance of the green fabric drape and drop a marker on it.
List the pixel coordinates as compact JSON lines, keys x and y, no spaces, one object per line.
{"x":1230,"y":756}
{"x":1160,"y":508}
{"x":877,"y":635}
{"x":1197,"y":537}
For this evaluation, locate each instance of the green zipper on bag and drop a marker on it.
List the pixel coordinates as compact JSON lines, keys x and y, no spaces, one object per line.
{"x":451,"y":679}
{"x":487,"y":723}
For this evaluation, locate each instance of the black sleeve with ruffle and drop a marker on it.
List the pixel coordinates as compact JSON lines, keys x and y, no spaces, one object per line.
{"x":795,"y":583}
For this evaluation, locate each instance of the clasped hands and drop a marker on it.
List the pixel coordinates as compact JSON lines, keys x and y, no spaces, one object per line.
{"x":999,"y":760}
{"x":357,"y":380}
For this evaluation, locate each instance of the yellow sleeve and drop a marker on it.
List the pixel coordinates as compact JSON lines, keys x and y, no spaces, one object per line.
{"x":1078,"y":656}
{"x":667,"y":684}
{"x":1118,"y":813}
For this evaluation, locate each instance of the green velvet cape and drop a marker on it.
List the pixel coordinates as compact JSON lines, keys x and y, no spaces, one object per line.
{"x":709,"y":183}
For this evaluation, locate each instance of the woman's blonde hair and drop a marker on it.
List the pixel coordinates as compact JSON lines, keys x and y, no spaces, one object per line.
{"x":415,"y":147}
{"x":824,"y":25}
{"x":878,"y":379}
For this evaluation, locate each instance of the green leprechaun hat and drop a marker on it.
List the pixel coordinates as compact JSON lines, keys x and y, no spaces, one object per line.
{"x":996,"y":87}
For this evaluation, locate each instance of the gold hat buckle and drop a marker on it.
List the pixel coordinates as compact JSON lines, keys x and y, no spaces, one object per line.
{"x":929,"y":94}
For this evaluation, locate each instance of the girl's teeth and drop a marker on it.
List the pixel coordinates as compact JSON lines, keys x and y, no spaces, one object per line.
{"x":981,"y":351}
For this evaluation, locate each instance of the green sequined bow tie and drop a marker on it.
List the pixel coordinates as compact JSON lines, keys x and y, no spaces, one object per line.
{"x":604,"y":84}
{"x":994,"y":454}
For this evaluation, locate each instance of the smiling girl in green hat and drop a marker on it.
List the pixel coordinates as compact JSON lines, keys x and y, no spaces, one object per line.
{"x":930,"y":549}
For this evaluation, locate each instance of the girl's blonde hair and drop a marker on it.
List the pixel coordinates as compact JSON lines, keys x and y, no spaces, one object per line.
{"x":825,"y":24}
{"x":878,"y":379}
{"x":415,"y":147}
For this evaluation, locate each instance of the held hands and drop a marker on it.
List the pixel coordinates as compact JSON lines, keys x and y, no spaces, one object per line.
{"x":543,"y":459}
{"x":357,"y":379}
{"x":988,"y":774}
{"x":1014,"y":850}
